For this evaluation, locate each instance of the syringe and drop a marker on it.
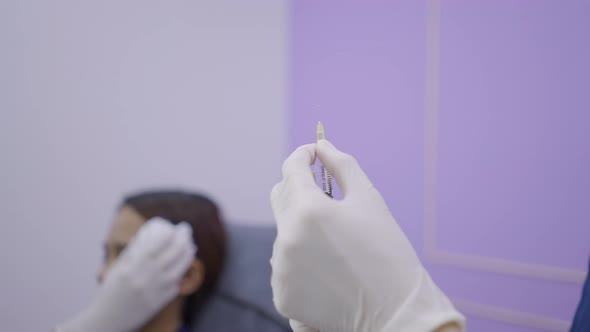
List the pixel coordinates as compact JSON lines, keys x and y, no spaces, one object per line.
{"x":326,"y":177}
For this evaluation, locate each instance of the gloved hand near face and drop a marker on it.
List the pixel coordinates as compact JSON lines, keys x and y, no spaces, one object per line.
{"x":144,"y":279}
{"x":346,"y":265}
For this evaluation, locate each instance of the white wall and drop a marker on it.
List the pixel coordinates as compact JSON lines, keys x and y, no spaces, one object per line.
{"x":101,"y":98}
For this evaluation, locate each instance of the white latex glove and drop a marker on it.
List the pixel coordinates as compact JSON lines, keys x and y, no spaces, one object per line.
{"x":141,"y":281}
{"x":346,"y":265}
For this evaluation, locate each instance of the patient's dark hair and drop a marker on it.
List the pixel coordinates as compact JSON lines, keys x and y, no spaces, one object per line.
{"x":208,"y":234}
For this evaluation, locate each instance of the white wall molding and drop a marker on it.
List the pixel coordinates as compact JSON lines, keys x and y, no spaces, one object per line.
{"x":510,"y":316}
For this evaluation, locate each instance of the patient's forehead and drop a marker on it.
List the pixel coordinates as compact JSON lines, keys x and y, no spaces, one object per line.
{"x":126,"y":224}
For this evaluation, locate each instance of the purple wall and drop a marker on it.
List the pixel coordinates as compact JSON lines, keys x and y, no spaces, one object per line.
{"x":511,"y":146}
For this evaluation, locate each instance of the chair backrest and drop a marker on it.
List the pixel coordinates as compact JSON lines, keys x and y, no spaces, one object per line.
{"x":243,"y":301}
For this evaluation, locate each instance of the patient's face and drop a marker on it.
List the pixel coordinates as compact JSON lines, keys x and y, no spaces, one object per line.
{"x":126,"y":224}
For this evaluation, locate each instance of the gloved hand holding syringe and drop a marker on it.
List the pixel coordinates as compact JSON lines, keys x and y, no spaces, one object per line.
{"x":346,"y":265}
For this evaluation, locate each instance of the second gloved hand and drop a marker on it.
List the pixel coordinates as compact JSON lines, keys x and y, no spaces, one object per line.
{"x":144,"y":279}
{"x":346,"y":265}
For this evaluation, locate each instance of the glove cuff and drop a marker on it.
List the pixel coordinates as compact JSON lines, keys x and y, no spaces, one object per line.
{"x":426,"y":309}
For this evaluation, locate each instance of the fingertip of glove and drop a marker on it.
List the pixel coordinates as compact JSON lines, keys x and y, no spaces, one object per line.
{"x":158,"y":227}
{"x":325,"y":145}
{"x":185,"y":231}
{"x":275,"y":191}
{"x":184,"y":227}
{"x":158,"y":223}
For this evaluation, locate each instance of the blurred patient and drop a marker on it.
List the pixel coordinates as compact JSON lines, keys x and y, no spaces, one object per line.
{"x":207,"y":233}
